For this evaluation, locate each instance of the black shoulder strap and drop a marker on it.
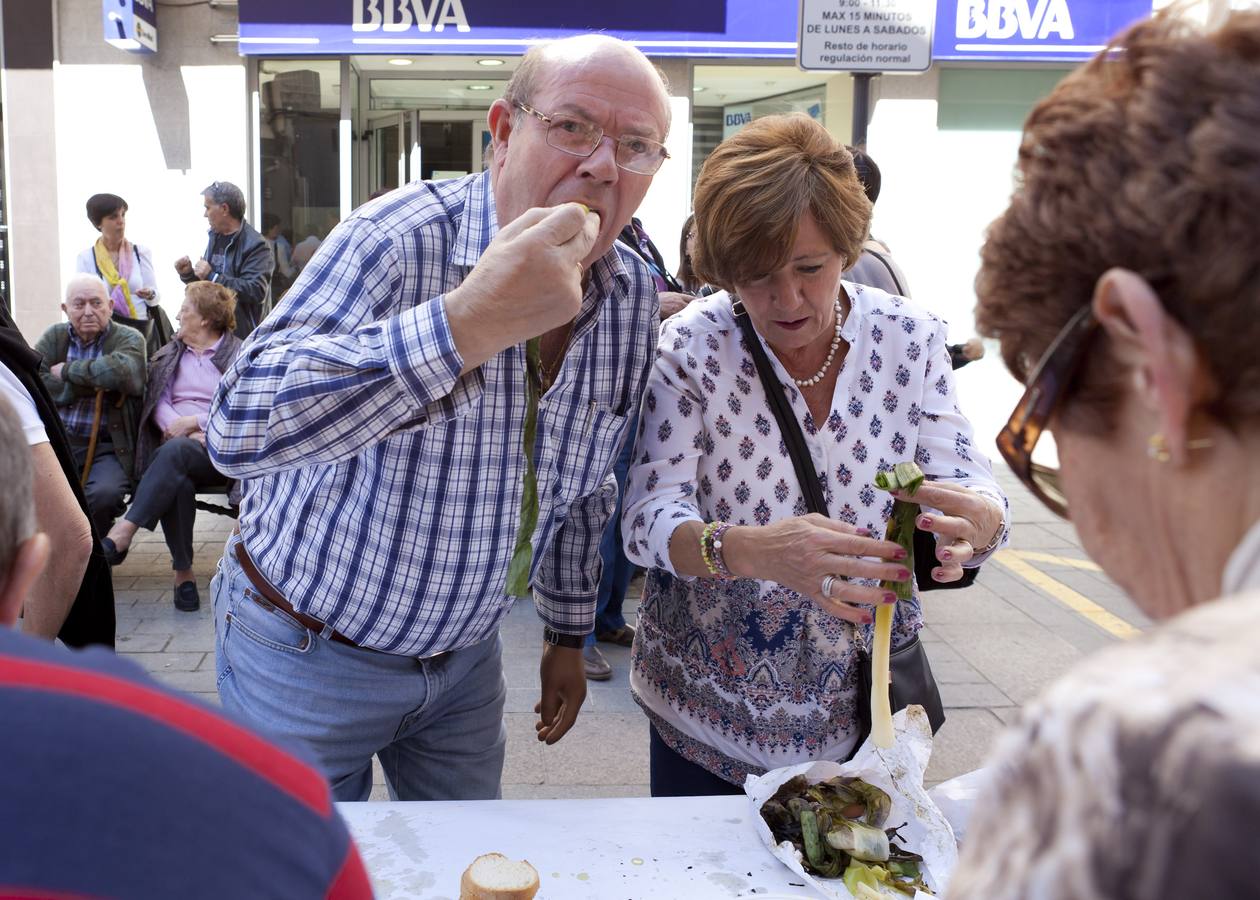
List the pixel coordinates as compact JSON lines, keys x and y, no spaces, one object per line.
{"x":793,"y":438}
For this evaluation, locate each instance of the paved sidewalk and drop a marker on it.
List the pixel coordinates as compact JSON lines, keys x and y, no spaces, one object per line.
{"x":1032,"y":613}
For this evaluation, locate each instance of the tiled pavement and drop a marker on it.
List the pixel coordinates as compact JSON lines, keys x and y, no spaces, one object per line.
{"x":993,"y":647}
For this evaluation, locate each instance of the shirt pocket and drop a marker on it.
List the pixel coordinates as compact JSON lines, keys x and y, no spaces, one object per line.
{"x":584,"y":462}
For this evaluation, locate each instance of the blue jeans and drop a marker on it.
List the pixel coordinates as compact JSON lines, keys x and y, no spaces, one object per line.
{"x":436,"y":724}
{"x":617,"y":570}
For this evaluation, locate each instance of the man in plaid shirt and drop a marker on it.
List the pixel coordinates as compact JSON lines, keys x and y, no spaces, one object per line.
{"x":427,"y":425}
{"x":91,"y":353}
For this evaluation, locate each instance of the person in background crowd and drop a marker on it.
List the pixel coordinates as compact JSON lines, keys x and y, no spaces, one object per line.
{"x":282,"y":250}
{"x":428,"y":424}
{"x":74,"y":600}
{"x":686,"y":274}
{"x":126,"y":267}
{"x":753,"y":613}
{"x":1136,"y":776}
{"x":877,"y":268}
{"x":236,"y":256}
{"x":171,"y":457}
{"x":616,"y":570}
{"x":118,"y":787}
{"x":87,"y":363}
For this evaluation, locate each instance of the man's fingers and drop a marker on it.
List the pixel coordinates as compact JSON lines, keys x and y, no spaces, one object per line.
{"x":563,"y":223}
{"x":524,"y":221}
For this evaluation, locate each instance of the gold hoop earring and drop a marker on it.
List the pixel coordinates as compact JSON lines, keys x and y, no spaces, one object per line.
{"x":1157,"y":447}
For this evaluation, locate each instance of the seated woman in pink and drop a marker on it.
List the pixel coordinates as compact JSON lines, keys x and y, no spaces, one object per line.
{"x":171,"y":455}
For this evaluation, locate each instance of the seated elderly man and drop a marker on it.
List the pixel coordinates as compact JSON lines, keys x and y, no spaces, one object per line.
{"x":90,"y":366}
{"x":129,"y":789}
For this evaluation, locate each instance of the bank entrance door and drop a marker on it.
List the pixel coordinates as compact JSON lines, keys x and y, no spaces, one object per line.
{"x":413,"y":145}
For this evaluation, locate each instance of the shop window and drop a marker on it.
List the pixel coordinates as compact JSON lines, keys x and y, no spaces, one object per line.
{"x":298,"y":131}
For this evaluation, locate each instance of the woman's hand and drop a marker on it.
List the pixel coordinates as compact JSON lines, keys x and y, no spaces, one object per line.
{"x":967,"y":522}
{"x":802,"y":552}
{"x":181,"y":427}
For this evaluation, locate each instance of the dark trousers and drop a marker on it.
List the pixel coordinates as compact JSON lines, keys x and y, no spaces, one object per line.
{"x":167,"y":493}
{"x":106,"y":487}
{"x":673,"y":776}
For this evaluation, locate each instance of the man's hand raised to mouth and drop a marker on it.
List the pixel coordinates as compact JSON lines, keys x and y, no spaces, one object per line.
{"x":528,"y":282}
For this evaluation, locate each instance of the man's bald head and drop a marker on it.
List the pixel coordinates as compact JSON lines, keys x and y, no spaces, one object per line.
{"x":550,"y":59}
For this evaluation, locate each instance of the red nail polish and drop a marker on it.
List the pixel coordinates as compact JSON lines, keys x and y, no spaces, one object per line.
{"x":867,"y":618}
{"x":899,"y":554}
{"x":947,"y":555}
{"x":903,"y":574}
{"x":890,"y":597}
{"x":925,"y":522}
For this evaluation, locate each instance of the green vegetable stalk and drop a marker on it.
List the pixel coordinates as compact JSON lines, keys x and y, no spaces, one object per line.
{"x":905,"y":477}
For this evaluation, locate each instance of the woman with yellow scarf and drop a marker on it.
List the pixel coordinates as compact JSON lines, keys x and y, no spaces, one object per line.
{"x":127,"y":268}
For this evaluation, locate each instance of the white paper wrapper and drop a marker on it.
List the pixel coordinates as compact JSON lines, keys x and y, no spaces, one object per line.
{"x":897,"y":770}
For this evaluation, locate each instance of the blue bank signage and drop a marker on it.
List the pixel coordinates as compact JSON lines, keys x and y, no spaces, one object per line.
{"x":1030,"y":30}
{"x":130,"y":25}
{"x":748,"y":28}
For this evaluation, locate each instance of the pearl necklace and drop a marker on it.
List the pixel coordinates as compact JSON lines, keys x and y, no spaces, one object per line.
{"x":831,"y":354}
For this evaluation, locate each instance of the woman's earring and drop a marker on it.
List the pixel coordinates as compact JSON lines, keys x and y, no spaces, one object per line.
{"x":1157,"y":448}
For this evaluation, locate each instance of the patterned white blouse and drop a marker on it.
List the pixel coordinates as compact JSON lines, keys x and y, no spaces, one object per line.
{"x":745,"y":675}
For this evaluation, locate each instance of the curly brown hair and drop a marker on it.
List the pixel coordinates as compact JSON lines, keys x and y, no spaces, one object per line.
{"x":1146,"y":158}
{"x":754,"y":188}
{"x":214,"y":302}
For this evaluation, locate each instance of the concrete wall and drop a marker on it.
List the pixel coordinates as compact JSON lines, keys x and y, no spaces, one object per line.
{"x":152,"y":129}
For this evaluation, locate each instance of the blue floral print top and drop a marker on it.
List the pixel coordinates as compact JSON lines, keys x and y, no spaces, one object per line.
{"x":743,"y":676}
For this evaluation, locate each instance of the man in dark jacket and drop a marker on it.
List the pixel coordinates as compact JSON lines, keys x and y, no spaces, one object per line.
{"x":236,"y":256}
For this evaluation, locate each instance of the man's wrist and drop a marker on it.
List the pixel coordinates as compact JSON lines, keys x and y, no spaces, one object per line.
{"x":560,"y":639}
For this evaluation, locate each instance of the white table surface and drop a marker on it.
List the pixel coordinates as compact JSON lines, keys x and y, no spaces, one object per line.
{"x":632,"y":847}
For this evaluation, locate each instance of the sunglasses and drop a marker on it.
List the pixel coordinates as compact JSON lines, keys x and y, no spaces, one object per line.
{"x":1042,"y":396}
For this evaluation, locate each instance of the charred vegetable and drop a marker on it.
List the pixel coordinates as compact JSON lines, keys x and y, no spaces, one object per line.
{"x":838,"y":827}
{"x":904,"y":477}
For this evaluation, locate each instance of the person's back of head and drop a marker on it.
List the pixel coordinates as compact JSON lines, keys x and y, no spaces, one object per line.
{"x":23,"y":552}
{"x":119,"y":787}
{"x":868,"y":173}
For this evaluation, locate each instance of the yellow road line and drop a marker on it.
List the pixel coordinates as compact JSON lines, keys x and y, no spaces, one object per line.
{"x":1055,"y":560}
{"x":1077,"y":602}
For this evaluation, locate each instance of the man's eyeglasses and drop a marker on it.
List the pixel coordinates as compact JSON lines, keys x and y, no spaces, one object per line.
{"x":578,"y":137}
{"x":1044,"y":393}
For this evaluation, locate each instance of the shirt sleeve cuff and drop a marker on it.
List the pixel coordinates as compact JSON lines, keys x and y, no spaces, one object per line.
{"x":566,"y":614}
{"x":422,"y":351}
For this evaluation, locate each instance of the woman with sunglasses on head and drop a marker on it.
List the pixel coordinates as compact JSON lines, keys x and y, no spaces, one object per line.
{"x":1133,"y":236}
{"x":755,"y":610}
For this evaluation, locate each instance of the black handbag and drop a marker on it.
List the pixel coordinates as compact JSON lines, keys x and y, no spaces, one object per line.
{"x":911,"y":679}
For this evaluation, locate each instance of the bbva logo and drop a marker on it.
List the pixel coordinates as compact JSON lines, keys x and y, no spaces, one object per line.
{"x":1000,"y":19}
{"x":403,"y":15}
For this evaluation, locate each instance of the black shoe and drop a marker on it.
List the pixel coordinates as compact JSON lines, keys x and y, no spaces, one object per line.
{"x":186,"y":597}
{"x":112,"y":556}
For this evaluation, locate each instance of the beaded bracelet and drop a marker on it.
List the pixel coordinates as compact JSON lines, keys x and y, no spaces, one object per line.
{"x":711,"y":549}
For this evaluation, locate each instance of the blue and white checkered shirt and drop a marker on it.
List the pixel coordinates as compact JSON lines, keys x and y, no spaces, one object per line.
{"x":78,"y":416}
{"x":384,"y":490}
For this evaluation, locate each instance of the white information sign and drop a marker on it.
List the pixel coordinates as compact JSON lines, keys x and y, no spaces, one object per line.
{"x":866,"y":35}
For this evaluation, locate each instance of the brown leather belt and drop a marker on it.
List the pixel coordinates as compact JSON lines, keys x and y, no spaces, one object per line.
{"x":264,"y":587}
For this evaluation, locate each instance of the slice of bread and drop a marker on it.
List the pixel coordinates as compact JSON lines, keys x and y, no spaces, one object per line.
{"x":492,"y":876}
